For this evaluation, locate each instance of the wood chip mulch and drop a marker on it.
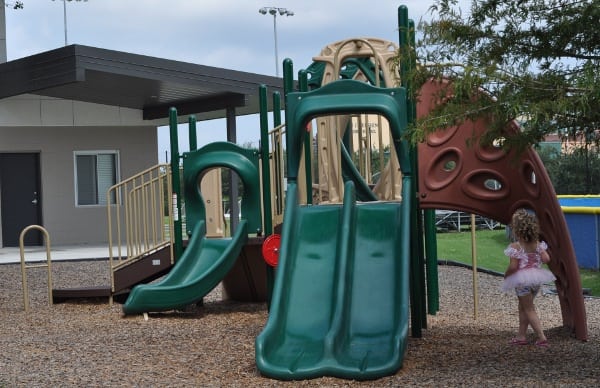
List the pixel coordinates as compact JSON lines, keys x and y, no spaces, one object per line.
{"x":90,"y":343}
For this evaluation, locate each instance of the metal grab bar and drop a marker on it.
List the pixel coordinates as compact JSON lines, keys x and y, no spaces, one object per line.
{"x":24,"y":267}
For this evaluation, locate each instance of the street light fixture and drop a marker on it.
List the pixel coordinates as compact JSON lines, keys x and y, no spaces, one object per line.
{"x":65,"y":15}
{"x":274,"y":11}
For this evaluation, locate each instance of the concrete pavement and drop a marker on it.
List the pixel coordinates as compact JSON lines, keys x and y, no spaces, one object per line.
{"x":10,"y":255}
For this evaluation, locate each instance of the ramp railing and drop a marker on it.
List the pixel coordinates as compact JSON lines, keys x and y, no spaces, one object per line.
{"x":140,"y":217}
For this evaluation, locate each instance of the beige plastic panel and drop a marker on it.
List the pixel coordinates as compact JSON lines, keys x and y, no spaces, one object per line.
{"x":331,"y":128}
{"x":213,"y":202}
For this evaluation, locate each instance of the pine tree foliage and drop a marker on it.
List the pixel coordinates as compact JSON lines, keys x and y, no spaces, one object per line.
{"x":15,"y":5}
{"x":534,"y":61}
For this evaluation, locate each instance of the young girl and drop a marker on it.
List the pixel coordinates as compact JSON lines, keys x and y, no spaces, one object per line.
{"x":525,"y":274}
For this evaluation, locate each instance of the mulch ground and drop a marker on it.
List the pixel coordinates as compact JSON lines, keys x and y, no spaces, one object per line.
{"x":92,"y":344}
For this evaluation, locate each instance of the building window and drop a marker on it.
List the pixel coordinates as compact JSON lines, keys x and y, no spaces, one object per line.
{"x":95,"y":173}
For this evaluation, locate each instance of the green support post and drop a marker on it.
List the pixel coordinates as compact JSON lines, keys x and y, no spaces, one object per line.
{"x":277,"y":123}
{"x":416,"y":284}
{"x":276,"y":109}
{"x":266,"y":171}
{"x":176,"y":182}
{"x":427,"y":248}
{"x":303,"y":84}
{"x":192,"y":133}
{"x":288,"y":79}
{"x":412,"y":65}
{"x":288,"y":86}
{"x":431,"y":257}
{"x":264,"y":157}
{"x":433,"y":300}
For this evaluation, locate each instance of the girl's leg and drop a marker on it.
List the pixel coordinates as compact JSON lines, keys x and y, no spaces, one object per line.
{"x":526,"y":301}
{"x":523,"y":322}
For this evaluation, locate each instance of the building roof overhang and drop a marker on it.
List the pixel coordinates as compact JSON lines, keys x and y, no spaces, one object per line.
{"x":150,"y":84}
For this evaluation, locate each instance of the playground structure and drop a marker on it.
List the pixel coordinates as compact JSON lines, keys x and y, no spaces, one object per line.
{"x":327,"y":326}
{"x":352,"y":258}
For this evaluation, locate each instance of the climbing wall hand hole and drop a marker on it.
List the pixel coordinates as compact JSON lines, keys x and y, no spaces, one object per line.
{"x":484,"y":184}
{"x":529,"y":179}
{"x":440,"y":137}
{"x":444,"y":169}
{"x":491,"y":153}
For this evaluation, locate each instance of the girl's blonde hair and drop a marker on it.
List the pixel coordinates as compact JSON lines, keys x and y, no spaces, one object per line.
{"x":525,"y":226}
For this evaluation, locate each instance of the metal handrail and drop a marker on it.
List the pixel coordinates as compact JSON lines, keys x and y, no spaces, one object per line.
{"x":24,"y":267}
{"x":138,"y":223}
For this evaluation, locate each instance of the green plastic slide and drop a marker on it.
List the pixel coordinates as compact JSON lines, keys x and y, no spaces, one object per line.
{"x":204,"y":263}
{"x":341,"y":296}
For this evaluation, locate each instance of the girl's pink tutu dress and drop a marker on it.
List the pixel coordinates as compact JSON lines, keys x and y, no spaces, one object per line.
{"x":530,"y":271}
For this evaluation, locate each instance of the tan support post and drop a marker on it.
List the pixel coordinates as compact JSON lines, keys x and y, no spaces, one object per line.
{"x":474,"y":262}
{"x":24,"y":267}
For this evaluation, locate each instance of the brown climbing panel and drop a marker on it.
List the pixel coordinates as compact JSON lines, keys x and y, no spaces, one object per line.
{"x":493,"y":183}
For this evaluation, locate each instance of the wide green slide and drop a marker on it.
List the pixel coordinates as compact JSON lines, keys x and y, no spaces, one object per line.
{"x":204,"y":263}
{"x":341,"y":296}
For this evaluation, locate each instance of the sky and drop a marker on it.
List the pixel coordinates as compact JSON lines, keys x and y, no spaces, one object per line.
{"x":229,"y":34}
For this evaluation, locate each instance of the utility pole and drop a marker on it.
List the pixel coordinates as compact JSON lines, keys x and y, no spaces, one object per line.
{"x":3,"y":6}
{"x":274,"y":11}
{"x":65,"y":16}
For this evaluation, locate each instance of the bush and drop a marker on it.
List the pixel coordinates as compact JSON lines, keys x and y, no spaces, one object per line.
{"x":577,"y":172}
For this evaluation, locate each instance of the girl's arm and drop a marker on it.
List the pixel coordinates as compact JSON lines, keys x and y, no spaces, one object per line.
{"x":544,"y":256}
{"x":513,"y":267}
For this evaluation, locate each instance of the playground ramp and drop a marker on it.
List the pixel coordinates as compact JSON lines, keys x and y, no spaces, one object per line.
{"x":204,"y":263}
{"x":341,"y":296}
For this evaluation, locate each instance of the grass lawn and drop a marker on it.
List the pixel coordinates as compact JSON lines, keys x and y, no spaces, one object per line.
{"x":490,"y":245}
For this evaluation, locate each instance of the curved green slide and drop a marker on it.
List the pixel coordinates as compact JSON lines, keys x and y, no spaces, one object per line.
{"x":340,"y":304}
{"x":204,"y":263}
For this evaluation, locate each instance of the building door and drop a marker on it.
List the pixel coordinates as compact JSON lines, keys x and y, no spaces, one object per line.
{"x":20,"y":197}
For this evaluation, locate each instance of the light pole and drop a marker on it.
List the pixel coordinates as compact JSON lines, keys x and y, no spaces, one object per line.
{"x":65,"y":16}
{"x":274,"y":11}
